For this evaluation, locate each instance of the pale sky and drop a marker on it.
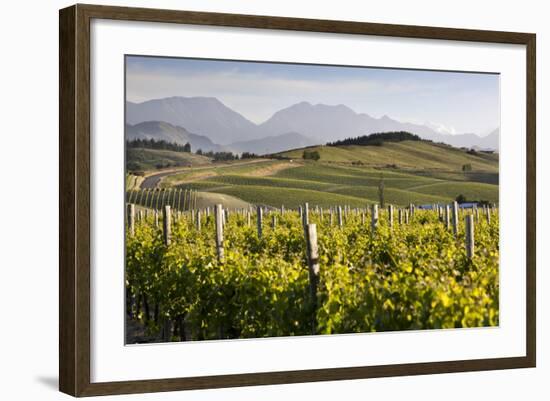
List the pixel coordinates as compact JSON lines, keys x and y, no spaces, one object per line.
{"x":455,"y":102}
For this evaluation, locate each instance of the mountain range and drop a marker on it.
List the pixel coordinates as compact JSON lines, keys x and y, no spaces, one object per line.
{"x":160,"y":130}
{"x":210,"y":125}
{"x":273,"y":144}
{"x":200,"y":115}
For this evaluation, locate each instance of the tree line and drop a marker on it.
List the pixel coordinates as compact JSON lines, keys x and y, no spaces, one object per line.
{"x":160,"y":145}
{"x":226,"y":155}
{"x":377,"y":139}
{"x":176,"y":147}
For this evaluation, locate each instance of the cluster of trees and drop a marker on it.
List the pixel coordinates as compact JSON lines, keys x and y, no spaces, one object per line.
{"x":162,"y":145}
{"x":377,"y":139}
{"x":176,"y":147}
{"x":462,"y":199}
{"x":218,"y":156}
{"x":249,"y":155}
{"x":311,"y":155}
{"x":224,"y":156}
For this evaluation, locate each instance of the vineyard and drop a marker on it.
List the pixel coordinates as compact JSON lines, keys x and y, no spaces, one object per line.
{"x":216,"y":273}
{"x":156,"y":199}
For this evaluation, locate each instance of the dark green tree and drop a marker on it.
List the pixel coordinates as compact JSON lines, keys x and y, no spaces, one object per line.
{"x":460,"y":199}
{"x":311,"y":155}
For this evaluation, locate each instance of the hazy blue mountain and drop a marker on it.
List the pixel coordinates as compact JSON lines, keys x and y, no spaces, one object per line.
{"x":328,"y":123}
{"x":488,"y":142}
{"x":160,"y":130}
{"x":491,"y":141}
{"x":201,"y":115}
{"x":273,"y":144}
{"x":320,"y":123}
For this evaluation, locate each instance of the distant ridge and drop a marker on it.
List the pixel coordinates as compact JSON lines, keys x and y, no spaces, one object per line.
{"x":273,"y":144}
{"x":201,"y":115}
{"x":207,"y":116}
{"x":160,"y":130}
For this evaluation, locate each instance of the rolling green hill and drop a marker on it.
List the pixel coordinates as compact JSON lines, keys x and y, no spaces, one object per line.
{"x":138,"y":159}
{"x":405,"y":155}
{"x":412,"y":172}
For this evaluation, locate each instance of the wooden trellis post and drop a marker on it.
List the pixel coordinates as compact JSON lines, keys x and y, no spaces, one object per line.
{"x":259,"y":218}
{"x":455,"y":218}
{"x":374,"y":219}
{"x":447,"y":217}
{"x":406,"y":217}
{"x":469,"y":220}
{"x":166,"y":224}
{"x":156,"y":218}
{"x":146,"y":202}
{"x":313,"y":268}
{"x":178,"y":204}
{"x":274,"y":221}
{"x":488,"y":214}
{"x":173,"y":202}
{"x":154,"y":199}
{"x":340,"y":216}
{"x":198,"y":220}
{"x":163,"y":190}
{"x":140,"y":198}
{"x":305,"y":220}
{"x":184,"y":200}
{"x":390,"y":216}
{"x":362,"y":218}
{"x":219,"y":231}
{"x":400,"y":216}
{"x":331,"y":216}
{"x":168,"y":192}
{"x":131,"y":218}
{"x":248,"y":218}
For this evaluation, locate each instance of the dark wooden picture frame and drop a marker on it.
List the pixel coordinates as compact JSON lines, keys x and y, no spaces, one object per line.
{"x":74,"y":202}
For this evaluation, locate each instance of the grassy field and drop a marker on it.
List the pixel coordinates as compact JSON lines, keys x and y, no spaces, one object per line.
{"x":252,"y":167}
{"x":133,"y":182}
{"x":411,"y":172}
{"x":406,"y":154}
{"x":138,"y":159}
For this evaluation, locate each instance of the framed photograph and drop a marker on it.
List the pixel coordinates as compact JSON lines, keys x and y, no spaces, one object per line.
{"x":249,"y":200}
